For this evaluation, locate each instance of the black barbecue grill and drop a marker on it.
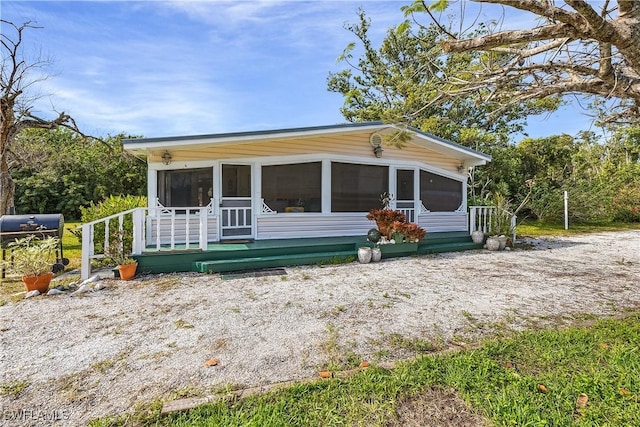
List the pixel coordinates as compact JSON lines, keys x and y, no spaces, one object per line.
{"x":43,"y":226}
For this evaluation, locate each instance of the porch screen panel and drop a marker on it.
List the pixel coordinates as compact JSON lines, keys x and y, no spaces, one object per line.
{"x":439,"y":193}
{"x":185,"y":187}
{"x":294,"y":187}
{"x":357,"y":188}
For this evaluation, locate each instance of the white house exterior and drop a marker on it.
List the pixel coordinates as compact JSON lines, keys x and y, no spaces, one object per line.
{"x":305,"y":182}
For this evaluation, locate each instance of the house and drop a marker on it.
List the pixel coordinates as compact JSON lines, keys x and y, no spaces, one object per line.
{"x":313,"y":182}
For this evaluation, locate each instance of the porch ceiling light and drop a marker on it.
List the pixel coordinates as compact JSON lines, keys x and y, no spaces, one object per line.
{"x":166,"y":157}
{"x":378,"y":151}
{"x":375,"y":140}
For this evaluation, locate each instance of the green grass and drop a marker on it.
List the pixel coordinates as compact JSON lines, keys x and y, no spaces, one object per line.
{"x":499,"y":379}
{"x":71,"y":246}
{"x":537,"y":229}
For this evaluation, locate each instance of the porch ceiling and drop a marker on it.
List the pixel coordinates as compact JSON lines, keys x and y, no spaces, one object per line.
{"x":342,"y":139}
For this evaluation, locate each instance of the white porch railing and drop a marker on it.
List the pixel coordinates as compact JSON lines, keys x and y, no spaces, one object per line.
{"x":407,"y":207}
{"x":154,"y":229}
{"x":481,"y":218}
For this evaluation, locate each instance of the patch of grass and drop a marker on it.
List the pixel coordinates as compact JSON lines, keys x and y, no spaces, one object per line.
{"x":103,"y":366}
{"x":13,"y":389}
{"x":146,"y":414}
{"x":335,"y":311}
{"x":398,"y":341}
{"x":537,"y":229}
{"x":338,"y":356}
{"x":186,"y":392}
{"x":337,"y":260}
{"x":181,"y":324}
{"x":499,"y":379}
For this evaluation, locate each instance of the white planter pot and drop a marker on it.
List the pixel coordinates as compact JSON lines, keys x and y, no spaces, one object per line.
{"x":503,"y":242}
{"x":364,"y":255}
{"x":477,"y":236}
{"x":376,"y":255}
{"x":493,"y":244}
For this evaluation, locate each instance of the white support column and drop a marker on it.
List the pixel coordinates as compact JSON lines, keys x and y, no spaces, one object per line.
{"x":203,"y":228}
{"x":326,"y":186}
{"x":87,"y":251}
{"x":393,"y":180}
{"x":138,"y":231}
{"x":152,"y":187}
{"x":472,"y":219}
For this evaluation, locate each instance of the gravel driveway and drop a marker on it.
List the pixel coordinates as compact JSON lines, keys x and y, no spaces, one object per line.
{"x":79,"y":358}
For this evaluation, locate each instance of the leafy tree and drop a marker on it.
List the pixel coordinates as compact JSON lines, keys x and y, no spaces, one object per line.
{"x":601,"y":178}
{"x":59,"y":171}
{"x":576,"y":47}
{"x":405,"y":80}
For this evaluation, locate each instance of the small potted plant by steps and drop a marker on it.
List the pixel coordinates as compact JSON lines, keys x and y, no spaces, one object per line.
{"x":116,"y":251}
{"x":33,"y":259}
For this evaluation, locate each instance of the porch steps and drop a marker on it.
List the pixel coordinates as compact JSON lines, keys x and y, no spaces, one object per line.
{"x":447,"y":242}
{"x":225,"y":257}
{"x":284,"y":260}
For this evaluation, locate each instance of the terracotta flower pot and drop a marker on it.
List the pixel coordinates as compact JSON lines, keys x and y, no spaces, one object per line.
{"x":39,"y":283}
{"x":127,"y":271}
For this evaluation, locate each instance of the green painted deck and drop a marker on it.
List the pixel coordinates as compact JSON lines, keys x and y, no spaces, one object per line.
{"x":251,"y":255}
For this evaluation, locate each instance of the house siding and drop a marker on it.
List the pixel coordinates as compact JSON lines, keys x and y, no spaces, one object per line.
{"x":283,"y":226}
{"x":352,"y":224}
{"x":443,"y":221}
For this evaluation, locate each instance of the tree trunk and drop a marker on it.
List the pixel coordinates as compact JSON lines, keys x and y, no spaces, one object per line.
{"x":7,"y":187}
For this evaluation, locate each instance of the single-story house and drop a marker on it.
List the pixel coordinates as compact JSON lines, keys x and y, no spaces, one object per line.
{"x":309,"y":182}
{"x":245,"y":200}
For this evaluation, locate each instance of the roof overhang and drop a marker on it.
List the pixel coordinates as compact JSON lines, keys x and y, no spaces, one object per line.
{"x":141,"y":147}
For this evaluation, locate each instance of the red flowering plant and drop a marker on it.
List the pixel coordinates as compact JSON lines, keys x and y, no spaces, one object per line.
{"x":393,"y":224}
{"x":413,"y":232}
{"x":384,"y":218}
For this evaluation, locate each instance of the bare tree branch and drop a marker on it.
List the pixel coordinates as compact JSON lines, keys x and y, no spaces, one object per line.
{"x":575,"y":50}
{"x":15,"y":115}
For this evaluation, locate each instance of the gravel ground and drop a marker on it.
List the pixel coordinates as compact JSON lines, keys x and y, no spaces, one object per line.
{"x":79,"y":358}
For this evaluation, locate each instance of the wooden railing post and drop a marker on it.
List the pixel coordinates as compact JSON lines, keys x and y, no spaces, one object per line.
{"x":138,"y":217}
{"x":87,"y":251}
{"x":204,"y":219}
{"x":472,"y":219}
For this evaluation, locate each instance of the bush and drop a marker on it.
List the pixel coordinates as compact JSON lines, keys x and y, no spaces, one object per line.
{"x":626,"y":205}
{"x":110,"y":206}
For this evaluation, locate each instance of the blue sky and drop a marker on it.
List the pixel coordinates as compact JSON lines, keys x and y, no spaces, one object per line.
{"x":162,"y":68}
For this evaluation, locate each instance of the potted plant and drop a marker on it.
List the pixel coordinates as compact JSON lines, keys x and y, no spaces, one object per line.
{"x":501,"y":227}
{"x":33,"y":259}
{"x":384,"y":218}
{"x":117,"y":251}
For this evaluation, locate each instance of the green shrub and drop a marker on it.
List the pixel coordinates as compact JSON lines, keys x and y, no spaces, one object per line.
{"x":110,"y":206}
{"x":626,"y":204}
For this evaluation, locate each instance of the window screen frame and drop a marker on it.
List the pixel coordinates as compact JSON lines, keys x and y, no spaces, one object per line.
{"x":306,"y":200}
{"x":357,"y":200}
